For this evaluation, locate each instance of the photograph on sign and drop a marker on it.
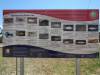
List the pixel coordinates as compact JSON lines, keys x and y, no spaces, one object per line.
{"x":55,"y":38}
{"x":8,"y":20}
{"x":8,"y":34}
{"x":32,"y":20}
{"x":92,"y":27}
{"x":68,"y":28}
{"x":32,"y":34}
{"x":44,"y":23}
{"x":80,"y":27}
{"x":43,"y":36}
{"x":93,"y":41}
{"x":55,"y":25}
{"x":68,"y":41}
{"x":80,"y":42}
{"x":20,"y":33}
{"x":20,"y":19}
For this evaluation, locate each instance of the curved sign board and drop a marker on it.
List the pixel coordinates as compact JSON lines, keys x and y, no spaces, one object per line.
{"x":51,"y":33}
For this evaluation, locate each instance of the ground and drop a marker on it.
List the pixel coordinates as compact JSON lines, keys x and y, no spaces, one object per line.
{"x":36,"y":66}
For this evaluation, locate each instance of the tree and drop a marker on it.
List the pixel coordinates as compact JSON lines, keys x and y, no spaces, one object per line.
{"x":1,"y":35}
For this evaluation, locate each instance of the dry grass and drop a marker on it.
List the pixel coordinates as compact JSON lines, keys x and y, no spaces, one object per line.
{"x":50,"y":66}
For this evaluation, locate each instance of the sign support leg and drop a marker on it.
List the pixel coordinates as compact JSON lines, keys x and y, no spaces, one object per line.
{"x":21,"y":66}
{"x":16,"y":66}
{"x":77,"y":66}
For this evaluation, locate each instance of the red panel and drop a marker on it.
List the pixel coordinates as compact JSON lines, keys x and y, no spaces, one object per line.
{"x":72,"y":15}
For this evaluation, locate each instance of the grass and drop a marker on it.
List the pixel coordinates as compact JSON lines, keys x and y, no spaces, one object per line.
{"x":50,"y":66}
{"x":90,"y":66}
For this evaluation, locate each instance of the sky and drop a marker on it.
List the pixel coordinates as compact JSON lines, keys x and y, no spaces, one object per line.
{"x":47,"y":4}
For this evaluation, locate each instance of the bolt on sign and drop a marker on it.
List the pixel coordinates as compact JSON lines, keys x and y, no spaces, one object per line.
{"x":51,"y":33}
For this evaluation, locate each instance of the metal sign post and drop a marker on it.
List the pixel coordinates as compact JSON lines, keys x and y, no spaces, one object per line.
{"x":16,"y":66}
{"x":77,"y":66}
{"x":99,"y":47}
{"x":21,"y":66}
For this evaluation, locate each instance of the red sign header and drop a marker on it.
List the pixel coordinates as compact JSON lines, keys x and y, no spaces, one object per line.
{"x":71,"y":15}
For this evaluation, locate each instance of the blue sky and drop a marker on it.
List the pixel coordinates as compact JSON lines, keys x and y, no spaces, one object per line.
{"x":47,"y":4}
